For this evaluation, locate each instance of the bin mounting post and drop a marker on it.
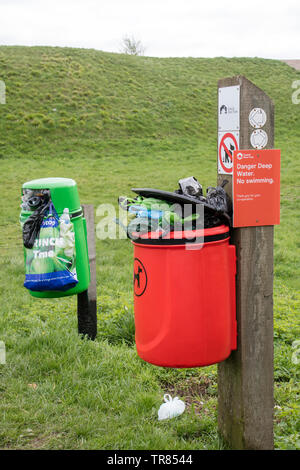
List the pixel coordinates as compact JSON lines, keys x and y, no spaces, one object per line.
{"x":87,"y":300}
{"x":245,"y":379}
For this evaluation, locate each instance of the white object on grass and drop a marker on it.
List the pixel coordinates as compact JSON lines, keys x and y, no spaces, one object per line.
{"x":171,"y":407}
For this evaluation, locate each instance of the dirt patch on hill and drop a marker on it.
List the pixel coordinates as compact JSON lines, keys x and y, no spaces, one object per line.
{"x":293,"y":63}
{"x":193,"y":391}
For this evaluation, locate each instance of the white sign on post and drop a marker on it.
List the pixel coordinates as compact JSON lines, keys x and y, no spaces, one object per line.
{"x":229,"y":108}
{"x":229,"y":126}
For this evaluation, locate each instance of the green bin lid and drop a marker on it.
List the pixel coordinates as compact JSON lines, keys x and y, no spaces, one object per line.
{"x":64,"y":192}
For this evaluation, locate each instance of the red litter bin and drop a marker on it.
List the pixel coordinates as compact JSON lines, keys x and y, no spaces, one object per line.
{"x":184,"y":299}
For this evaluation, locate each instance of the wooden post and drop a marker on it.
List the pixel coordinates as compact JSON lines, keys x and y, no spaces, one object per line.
{"x":245,"y":379}
{"x":87,"y":300}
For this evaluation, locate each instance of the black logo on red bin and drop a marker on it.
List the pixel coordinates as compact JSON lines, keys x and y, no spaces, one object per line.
{"x":139,"y":277}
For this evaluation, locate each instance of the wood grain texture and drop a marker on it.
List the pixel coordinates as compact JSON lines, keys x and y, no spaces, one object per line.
{"x":87,"y":300}
{"x":245,"y":379}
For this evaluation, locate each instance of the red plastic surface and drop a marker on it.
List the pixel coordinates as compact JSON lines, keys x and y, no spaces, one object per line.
{"x":184,"y":303}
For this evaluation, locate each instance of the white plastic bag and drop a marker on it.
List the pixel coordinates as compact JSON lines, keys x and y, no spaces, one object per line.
{"x":171,"y":407}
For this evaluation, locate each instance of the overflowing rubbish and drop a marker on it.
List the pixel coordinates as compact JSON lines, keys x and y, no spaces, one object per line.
{"x":217,"y":197}
{"x":171,"y":408}
{"x":191,"y":187}
{"x":37,"y":201}
{"x":161,"y":212}
{"x":49,"y":242}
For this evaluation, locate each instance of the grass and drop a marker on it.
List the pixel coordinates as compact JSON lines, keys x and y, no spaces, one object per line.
{"x":113,"y":122}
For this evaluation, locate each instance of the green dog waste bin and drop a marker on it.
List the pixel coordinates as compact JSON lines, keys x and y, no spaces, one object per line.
{"x":49,"y":248}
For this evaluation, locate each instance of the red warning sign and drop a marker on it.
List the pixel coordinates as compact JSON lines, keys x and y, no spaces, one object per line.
{"x":256,"y":187}
{"x":228,"y":143}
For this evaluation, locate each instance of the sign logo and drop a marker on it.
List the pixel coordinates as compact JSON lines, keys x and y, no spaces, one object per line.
{"x":229,"y":108}
{"x":259,"y":139}
{"x":139,"y":277}
{"x":50,"y":221}
{"x":228,"y":144}
{"x":257,"y":118}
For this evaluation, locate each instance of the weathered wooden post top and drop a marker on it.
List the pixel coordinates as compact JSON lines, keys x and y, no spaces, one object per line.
{"x":245,"y":379}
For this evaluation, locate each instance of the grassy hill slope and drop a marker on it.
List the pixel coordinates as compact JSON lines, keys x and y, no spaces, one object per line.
{"x":88,"y":98}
